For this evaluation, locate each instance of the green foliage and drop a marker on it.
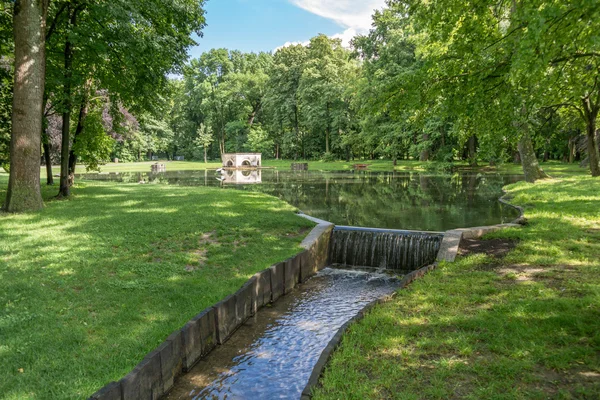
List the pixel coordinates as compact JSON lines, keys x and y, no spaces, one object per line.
{"x":260,"y":142}
{"x":94,"y":146}
{"x":328,"y":157}
{"x":6,"y":82}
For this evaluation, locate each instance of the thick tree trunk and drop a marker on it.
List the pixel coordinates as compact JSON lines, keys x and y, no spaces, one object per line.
{"x":28,"y":96}
{"x":531,"y":166}
{"x":592,"y":149}
{"x":591,"y":114}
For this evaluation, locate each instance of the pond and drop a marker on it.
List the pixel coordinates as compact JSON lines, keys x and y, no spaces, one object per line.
{"x":391,"y":200}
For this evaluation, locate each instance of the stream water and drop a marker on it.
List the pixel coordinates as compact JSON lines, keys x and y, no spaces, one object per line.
{"x":391,"y":200}
{"x":273,"y":354}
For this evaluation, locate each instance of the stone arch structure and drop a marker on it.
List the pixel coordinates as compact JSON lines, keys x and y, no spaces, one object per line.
{"x":241,"y":160}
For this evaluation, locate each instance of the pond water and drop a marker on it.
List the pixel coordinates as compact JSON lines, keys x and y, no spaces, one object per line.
{"x":391,"y":200}
{"x":274,"y":353}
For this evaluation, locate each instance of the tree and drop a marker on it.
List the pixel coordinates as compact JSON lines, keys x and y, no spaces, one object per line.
{"x":322,"y":86}
{"x":204,"y":138}
{"x":283,"y":97}
{"x":123,"y":47}
{"x":29,"y":33}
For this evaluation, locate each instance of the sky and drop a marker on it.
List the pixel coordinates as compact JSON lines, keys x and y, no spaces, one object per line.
{"x":265,"y":25}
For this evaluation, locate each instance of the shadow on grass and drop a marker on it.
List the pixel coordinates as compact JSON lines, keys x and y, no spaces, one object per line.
{"x":89,"y":285}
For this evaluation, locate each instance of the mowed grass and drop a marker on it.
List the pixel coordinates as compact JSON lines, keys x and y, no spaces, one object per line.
{"x":90,"y":285}
{"x":526,"y":326}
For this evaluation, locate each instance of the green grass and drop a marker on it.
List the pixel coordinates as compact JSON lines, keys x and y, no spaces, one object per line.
{"x":90,"y":285}
{"x":526,"y":326}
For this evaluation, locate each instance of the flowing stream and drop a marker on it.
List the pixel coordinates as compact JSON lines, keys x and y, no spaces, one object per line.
{"x":273,"y":354}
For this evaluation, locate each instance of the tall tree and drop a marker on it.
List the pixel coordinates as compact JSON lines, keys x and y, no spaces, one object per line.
{"x":125,"y":48}
{"x":28,"y":96}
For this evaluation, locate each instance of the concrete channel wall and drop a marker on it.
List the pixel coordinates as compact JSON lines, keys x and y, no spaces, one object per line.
{"x":156,"y":374}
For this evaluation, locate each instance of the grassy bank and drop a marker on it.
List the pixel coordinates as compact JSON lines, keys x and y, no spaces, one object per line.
{"x":90,"y":285}
{"x":522,"y":326}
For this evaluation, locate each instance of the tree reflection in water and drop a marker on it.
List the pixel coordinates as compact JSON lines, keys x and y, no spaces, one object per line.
{"x":394,"y":200}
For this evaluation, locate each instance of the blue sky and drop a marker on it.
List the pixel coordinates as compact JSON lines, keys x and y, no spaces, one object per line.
{"x":264,"y":25}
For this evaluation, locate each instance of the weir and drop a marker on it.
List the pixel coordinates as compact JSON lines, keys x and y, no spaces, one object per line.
{"x":396,"y":250}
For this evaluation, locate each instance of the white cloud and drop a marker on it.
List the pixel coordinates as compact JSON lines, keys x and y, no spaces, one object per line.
{"x":354,"y":15}
{"x":346,"y":36}
{"x":288,"y":44}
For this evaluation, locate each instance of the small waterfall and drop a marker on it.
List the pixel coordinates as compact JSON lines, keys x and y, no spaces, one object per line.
{"x":386,"y":249}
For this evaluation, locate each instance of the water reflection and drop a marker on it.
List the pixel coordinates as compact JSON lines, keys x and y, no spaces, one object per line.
{"x":240,"y":176}
{"x":394,"y":200}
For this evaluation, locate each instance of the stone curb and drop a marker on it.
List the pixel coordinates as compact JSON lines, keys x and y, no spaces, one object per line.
{"x":452,"y":238}
{"x":326,"y":354}
{"x":156,"y":374}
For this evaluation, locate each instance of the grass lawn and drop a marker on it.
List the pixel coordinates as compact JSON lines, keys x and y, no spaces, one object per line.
{"x":90,"y":285}
{"x":522,"y":326}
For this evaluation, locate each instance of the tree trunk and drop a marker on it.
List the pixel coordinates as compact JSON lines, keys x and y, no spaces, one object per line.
{"x":531,"y":166}
{"x":252,"y":116}
{"x":571,"y":150}
{"x":64,"y":188}
{"x":591,"y":114}
{"x":327,"y":132}
{"x":205,"y":156}
{"x":48,"y":160}
{"x":83,"y":111}
{"x":425,"y":153}
{"x":29,"y":26}
{"x":472,"y":145}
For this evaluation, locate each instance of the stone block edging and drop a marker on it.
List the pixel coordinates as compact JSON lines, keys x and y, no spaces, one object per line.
{"x":326,"y":354}
{"x":156,"y":374}
{"x":451,"y":241}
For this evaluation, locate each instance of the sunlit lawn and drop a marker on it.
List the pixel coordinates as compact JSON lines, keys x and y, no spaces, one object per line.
{"x":90,"y":285}
{"x":523,"y":327}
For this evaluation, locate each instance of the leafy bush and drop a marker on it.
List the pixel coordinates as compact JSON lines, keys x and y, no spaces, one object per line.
{"x":328,"y":157}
